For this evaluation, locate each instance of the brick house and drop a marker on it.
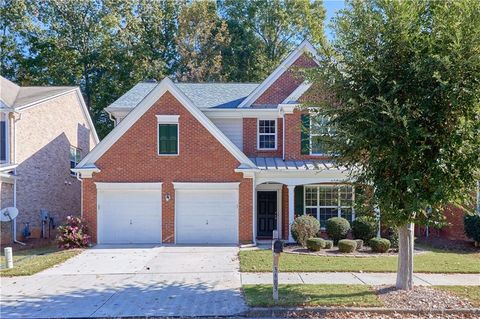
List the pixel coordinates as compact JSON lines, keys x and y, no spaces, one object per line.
{"x":212,"y":162}
{"x":44,"y":131}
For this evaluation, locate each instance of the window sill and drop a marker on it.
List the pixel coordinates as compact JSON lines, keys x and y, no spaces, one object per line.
{"x":168,"y":155}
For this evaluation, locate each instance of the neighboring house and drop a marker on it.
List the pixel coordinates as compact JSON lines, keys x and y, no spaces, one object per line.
{"x":210,"y":163}
{"x":44,"y":131}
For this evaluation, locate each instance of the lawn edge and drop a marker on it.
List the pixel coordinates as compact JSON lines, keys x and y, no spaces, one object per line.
{"x":271,"y":312}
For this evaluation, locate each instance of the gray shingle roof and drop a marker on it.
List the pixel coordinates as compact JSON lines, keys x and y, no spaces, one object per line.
{"x":14,"y":96}
{"x":203,"y":95}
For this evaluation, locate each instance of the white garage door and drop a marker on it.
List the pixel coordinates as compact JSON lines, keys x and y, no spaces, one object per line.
{"x":129,"y":213}
{"x":207,"y":216}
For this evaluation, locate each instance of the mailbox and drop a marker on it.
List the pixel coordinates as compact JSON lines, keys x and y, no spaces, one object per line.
{"x":278,"y":246}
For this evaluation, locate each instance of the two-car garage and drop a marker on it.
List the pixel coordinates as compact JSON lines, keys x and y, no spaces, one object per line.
{"x":131,"y":213}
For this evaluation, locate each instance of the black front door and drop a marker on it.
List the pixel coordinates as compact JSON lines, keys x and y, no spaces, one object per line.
{"x":266,"y":213}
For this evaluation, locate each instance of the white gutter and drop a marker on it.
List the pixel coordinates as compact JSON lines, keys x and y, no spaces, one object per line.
{"x":14,"y":160}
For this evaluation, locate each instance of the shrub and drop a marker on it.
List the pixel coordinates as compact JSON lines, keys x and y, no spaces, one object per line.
{"x":364,"y":227}
{"x":337,"y":228}
{"x":315,"y":244}
{"x":74,"y":234}
{"x":303,"y":228}
{"x":380,"y":245}
{"x":328,"y":244}
{"x":471,"y":224}
{"x":359,"y":243}
{"x":347,"y":245}
{"x":392,"y":236}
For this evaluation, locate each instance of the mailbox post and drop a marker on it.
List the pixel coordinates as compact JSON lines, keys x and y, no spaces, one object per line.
{"x":277,"y":248}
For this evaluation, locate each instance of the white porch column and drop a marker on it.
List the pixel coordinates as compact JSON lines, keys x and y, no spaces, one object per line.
{"x":291,"y":210}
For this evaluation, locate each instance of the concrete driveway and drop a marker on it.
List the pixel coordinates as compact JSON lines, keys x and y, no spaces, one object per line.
{"x":110,"y":281}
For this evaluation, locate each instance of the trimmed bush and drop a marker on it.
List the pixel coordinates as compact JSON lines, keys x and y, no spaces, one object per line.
{"x":364,"y":227}
{"x":359,"y":243}
{"x":471,"y":224}
{"x":337,"y":228}
{"x":347,"y":245}
{"x":328,"y":244}
{"x":303,"y":228}
{"x":74,"y":234}
{"x":392,"y":236}
{"x":315,"y":244}
{"x":380,"y":245}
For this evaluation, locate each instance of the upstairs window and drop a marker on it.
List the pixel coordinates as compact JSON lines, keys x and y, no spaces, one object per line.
{"x":327,"y":201}
{"x":75,"y":157}
{"x":314,"y":129}
{"x":168,"y":134}
{"x":267,"y":135}
{"x":3,"y":140}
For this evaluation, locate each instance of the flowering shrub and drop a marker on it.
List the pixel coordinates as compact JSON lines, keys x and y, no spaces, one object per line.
{"x":74,"y":234}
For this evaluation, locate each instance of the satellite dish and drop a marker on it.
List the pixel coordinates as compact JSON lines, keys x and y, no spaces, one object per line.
{"x":8,"y":213}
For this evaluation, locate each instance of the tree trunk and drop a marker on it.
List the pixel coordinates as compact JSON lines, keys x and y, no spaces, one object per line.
{"x":405,"y":257}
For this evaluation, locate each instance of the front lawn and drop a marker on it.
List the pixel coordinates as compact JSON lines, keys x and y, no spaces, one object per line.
{"x":312,"y":295}
{"x":30,"y":261}
{"x":434,"y":261}
{"x":471,"y":293}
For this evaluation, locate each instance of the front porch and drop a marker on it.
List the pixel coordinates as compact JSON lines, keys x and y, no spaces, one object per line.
{"x":286,"y":189}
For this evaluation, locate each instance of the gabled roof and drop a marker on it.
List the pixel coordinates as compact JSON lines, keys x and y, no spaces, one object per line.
{"x":158,"y":90}
{"x":18,"y":97}
{"x":305,"y":46}
{"x":203,"y":95}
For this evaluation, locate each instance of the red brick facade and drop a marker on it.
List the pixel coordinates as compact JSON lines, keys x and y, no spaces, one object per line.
{"x":202,"y":158}
{"x":286,"y":83}
{"x":250,"y":130}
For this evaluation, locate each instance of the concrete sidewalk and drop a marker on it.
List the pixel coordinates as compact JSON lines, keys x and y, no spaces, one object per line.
{"x":360,"y":278}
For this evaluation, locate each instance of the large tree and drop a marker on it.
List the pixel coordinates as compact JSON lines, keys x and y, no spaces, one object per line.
{"x":202,"y":37}
{"x":405,"y":78}
{"x":278,"y":24}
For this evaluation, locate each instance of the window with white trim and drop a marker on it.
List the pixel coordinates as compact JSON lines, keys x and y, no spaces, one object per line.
{"x":267,"y":135}
{"x":75,"y":157}
{"x":168,"y":134}
{"x":327,"y":201}
{"x":319,"y":129}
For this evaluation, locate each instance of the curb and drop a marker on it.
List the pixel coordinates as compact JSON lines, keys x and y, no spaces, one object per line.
{"x":285,"y":311}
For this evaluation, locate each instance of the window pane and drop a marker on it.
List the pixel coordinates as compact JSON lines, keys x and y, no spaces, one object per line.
{"x":267,"y":141}
{"x":326,"y":213}
{"x":3,"y":141}
{"x":328,"y":196}
{"x":346,"y":196}
{"x":266,"y":126}
{"x":168,"y":138}
{"x":347,"y":214}
{"x":311,"y":211}
{"x":311,"y":196}
{"x":316,"y":145}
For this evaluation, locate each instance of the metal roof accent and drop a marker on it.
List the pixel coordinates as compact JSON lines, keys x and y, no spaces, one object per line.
{"x":278,"y":164}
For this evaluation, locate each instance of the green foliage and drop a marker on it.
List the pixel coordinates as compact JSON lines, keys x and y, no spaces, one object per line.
{"x":359,"y":243}
{"x":337,"y":228}
{"x":391,"y":234}
{"x":379,"y":245}
{"x":472,"y":227}
{"x":404,"y":98}
{"x":303,"y":228}
{"x":347,"y":245}
{"x":364,"y":227}
{"x":328,"y":244}
{"x":315,"y":244}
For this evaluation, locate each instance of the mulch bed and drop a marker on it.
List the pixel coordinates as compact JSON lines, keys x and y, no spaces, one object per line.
{"x":372,"y":315}
{"x":420,"y":298}
{"x":333,"y":252}
{"x":30,"y":243}
{"x":446,"y":244}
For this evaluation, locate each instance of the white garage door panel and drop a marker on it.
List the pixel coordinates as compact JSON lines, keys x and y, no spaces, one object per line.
{"x":130,"y":216}
{"x":207,"y":216}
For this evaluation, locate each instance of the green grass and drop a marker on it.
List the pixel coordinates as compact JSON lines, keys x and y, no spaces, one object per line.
{"x":312,"y":295}
{"x":30,"y":261}
{"x":472,"y":293}
{"x":434,"y":261}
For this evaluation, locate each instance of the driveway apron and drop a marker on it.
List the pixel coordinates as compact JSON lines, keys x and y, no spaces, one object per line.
{"x":112,"y":281}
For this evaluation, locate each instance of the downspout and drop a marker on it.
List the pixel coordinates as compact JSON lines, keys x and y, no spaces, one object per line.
{"x":283,"y":138}
{"x":254,"y":237}
{"x":77,"y":175}
{"x":14,"y":160}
